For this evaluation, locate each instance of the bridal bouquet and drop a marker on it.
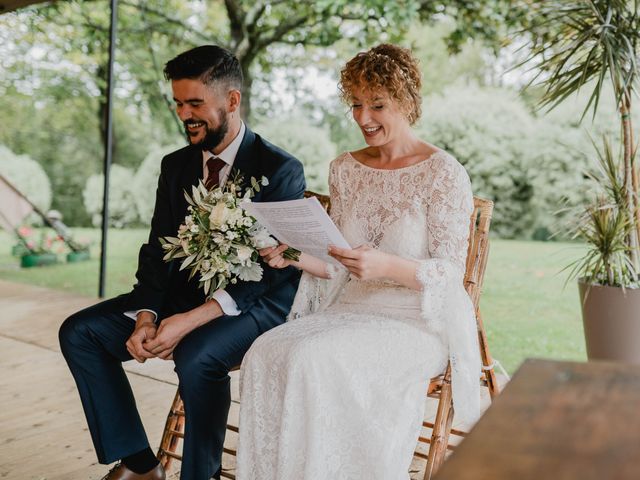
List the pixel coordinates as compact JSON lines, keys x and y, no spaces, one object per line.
{"x":219,"y":240}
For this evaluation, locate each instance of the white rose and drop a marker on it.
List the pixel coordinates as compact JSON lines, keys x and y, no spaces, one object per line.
{"x":235,"y":216}
{"x":218,"y":215}
{"x":244,"y":253}
{"x":262,"y":239}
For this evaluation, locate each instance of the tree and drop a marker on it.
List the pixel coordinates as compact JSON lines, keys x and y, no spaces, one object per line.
{"x":596,"y":42}
{"x":54,"y":56}
{"x":489,"y":21}
{"x":250,"y":28}
{"x":312,"y":145}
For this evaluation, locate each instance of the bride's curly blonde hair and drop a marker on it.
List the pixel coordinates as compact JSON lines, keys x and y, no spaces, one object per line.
{"x":387,"y":68}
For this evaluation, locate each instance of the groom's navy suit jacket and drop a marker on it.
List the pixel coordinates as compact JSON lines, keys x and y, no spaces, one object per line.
{"x":161,"y":287}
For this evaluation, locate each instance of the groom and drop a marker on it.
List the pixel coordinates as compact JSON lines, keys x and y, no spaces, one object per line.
{"x":166,"y":315}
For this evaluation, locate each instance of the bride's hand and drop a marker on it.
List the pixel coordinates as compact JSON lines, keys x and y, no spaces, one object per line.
{"x":273,"y":256}
{"x":364,"y":262}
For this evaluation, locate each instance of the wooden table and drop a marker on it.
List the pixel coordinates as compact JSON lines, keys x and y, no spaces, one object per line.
{"x":556,"y":421}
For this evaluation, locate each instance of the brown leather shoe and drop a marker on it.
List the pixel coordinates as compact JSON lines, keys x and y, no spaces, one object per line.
{"x":120,"y":472}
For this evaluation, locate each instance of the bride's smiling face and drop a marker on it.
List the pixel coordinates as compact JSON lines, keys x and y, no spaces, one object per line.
{"x":379,"y":117}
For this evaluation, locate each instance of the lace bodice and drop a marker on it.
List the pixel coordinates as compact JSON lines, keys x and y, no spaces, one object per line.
{"x":419,"y":212}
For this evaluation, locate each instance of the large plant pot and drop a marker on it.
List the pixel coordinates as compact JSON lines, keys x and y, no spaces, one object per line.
{"x":611,"y":318}
{"x":82,"y":255}
{"x":37,"y":260}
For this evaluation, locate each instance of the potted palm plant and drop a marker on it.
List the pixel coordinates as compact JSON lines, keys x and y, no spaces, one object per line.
{"x":594,"y":44}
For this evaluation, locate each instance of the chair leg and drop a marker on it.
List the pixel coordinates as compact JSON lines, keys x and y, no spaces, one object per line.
{"x":441,"y":428}
{"x":173,"y":432}
{"x":487,"y":359}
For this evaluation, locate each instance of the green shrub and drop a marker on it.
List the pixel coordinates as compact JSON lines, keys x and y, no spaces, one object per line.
{"x":486,"y":130}
{"x":122,"y":202}
{"x":27,"y":176}
{"x":531,"y":166}
{"x":145,"y":182}
{"x":310,"y":144}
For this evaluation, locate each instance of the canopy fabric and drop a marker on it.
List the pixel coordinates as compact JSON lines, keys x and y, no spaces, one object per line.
{"x":10,"y":5}
{"x":14,"y":207}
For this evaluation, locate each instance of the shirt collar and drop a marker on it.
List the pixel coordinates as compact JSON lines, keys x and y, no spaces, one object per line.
{"x":228,"y":155}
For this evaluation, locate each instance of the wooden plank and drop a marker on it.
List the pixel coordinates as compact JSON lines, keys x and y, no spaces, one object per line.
{"x":556,"y":420}
{"x":43,"y":432}
{"x":50,"y":439}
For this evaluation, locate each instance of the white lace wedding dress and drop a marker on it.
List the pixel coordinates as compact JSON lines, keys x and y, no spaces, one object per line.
{"x":338,"y":391}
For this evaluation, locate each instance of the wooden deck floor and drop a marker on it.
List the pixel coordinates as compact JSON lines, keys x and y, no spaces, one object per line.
{"x":43,"y":433}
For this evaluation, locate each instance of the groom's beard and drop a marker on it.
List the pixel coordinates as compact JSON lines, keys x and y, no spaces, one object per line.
{"x":212,"y":136}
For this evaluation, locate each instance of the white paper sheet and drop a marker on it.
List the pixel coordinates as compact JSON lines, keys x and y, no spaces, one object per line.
{"x":302,"y":224}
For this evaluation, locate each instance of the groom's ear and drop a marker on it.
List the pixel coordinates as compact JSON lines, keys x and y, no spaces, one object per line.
{"x":233,"y":100}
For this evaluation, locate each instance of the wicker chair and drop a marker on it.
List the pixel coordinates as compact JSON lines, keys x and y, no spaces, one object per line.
{"x":439,"y":387}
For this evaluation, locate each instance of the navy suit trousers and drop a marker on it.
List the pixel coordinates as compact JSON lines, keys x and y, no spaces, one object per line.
{"x":93,"y":344}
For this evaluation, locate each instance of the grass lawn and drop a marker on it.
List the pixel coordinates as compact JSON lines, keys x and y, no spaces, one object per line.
{"x":526,"y":310}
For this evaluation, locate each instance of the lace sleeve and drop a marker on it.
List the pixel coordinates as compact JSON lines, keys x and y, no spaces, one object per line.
{"x":449,"y":210}
{"x":446,"y":307}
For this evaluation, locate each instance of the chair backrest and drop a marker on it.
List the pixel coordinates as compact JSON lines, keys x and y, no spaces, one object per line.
{"x":477,"y":256}
{"x":478,"y":250}
{"x":324,"y":200}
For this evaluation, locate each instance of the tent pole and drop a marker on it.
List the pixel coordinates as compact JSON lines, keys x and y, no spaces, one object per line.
{"x":108,"y":147}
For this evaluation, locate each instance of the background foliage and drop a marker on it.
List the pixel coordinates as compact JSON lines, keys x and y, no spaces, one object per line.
{"x":52,"y":103}
{"x":52,"y":96}
{"x":27,"y":176}
{"x":310,"y":144}
{"x":122,"y":203}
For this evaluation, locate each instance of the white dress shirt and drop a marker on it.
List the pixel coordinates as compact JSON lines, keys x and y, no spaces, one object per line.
{"x":228,"y":155}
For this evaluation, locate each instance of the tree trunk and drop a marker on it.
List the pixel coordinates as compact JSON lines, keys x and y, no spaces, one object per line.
{"x":245,"y":106}
{"x":101,"y":74}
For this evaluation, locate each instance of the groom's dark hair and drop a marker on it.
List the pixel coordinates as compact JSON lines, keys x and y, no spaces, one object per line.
{"x":208,"y":63}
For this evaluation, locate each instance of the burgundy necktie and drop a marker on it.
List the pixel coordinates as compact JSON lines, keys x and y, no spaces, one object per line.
{"x":214,"y":165}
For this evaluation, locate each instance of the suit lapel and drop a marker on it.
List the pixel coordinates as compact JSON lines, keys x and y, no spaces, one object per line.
{"x":192,"y":171}
{"x":245,"y":161}
{"x":189,"y":175}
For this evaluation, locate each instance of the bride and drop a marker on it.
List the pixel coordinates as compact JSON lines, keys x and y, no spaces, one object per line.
{"x":338,"y":391}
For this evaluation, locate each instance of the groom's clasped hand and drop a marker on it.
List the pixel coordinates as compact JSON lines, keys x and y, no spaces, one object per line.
{"x":150,"y":341}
